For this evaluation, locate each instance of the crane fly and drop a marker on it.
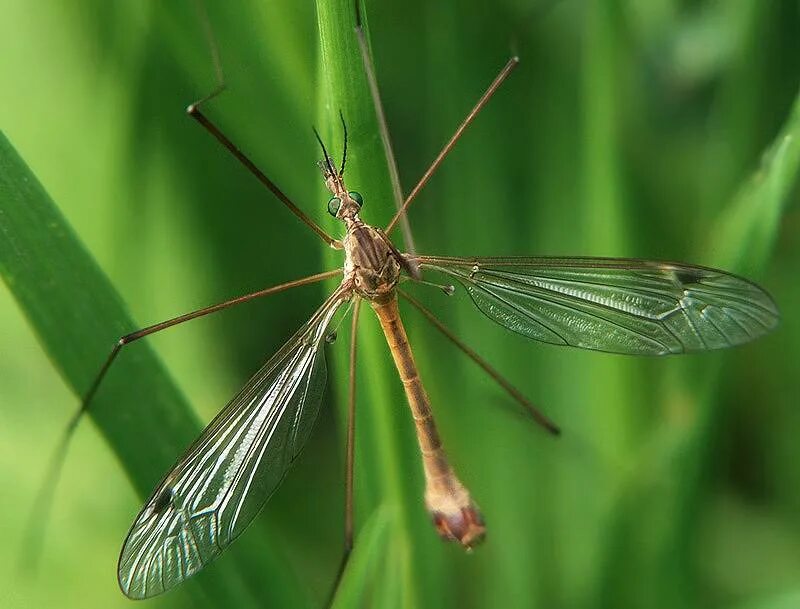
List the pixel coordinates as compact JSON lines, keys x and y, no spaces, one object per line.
{"x":629,"y":306}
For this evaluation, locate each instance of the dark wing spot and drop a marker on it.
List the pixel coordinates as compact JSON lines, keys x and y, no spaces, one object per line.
{"x":688,"y":276}
{"x":163,"y":500}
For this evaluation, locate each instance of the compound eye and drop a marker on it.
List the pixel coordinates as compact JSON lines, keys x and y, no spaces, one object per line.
{"x":356,"y":196}
{"x":333,"y":206}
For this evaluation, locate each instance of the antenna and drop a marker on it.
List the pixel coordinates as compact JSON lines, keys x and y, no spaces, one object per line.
{"x":344,"y":152}
{"x":328,"y":164}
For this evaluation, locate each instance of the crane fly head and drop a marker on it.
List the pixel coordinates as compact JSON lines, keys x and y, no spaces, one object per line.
{"x":344,"y":204}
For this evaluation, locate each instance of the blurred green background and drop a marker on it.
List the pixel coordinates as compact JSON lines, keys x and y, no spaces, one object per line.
{"x":629,"y":129}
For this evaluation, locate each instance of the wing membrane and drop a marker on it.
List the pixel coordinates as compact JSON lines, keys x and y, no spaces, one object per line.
{"x":225,"y":477}
{"x":617,"y":305}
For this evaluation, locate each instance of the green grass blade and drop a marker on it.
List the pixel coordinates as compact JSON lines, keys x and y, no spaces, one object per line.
{"x":367,"y":564}
{"x":742,"y":243}
{"x":388,"y":466}
{"x":77,"y":316}
{"x":747,"y":228}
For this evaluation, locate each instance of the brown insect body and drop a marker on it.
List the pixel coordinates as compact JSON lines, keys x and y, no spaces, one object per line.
{"x":454,"y":514}
{"x":372,"y":269}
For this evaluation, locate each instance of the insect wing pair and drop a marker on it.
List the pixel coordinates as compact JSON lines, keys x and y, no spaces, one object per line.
{"x":615,"y":305}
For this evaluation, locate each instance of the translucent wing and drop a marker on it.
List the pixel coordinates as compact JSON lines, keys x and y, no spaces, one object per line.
{"x":614,"y":304}
{"x":226,"y":476}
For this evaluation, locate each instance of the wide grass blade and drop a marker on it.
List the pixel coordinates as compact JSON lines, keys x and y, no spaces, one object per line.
{"x":77,"y":315}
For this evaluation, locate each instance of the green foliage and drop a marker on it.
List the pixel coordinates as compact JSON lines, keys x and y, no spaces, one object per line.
{"x":76,"y":321}
{"x":662,"y":130}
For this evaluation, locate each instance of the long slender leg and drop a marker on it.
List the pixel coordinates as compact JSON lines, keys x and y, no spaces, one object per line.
{"x":193,"y":110}
{"x":134,"y":336}
{"x":537,"y":414}
{"x":350,"y":448}
{"x":512,"y":63}
{"x":39,"y":512}
{"x":372,"y":81}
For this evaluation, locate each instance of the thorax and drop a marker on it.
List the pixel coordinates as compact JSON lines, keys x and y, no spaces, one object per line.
{"x":371,"y":263}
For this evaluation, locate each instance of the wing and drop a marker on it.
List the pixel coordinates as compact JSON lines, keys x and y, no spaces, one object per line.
{"x":614,"y":304}
{"x":225,"y":477}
